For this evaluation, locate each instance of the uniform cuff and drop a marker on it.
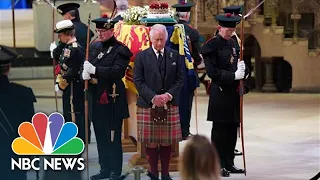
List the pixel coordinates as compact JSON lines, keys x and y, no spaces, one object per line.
{"x":169,"y":95}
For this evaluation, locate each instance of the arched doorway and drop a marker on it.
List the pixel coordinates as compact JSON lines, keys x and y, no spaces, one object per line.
{"x":252,"y":58}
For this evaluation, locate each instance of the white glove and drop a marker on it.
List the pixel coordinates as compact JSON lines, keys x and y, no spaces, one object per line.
{"x":239,"y":74}
{"x":88,"y":67}
{"x":52,"y":47}
{"x":85,"y":75}
{"x":241,"y":65}
{"x":57,"y":89}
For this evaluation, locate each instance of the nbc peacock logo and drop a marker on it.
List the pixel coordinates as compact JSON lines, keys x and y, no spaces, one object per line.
{"x":47,"y":136}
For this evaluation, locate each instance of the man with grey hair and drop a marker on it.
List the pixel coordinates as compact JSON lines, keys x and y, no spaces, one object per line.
{"x":158,"y":78}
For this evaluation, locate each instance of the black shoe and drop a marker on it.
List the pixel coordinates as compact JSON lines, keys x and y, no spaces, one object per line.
{"x":224,"y":172}
{"x":101,"y":175}
{"x":234,"y":169}
{"x":152,"y":177}
{"x":167,"y":177}
{"x":185,"y":137}
{"x":237,"y":152}
{"x":114,"y":176}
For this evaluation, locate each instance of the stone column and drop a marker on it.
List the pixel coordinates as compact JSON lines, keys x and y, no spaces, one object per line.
{"x":269,"y":85}
{"x":295,"y":17}
{"x":273,"y":7}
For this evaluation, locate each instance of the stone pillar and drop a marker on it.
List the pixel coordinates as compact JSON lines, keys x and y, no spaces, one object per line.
{"x":269,"y":85}
{"x":295,"y":17}
{"x":273,"y":7}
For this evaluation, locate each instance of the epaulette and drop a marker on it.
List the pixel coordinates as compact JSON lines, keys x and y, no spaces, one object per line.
{"x":75,"y":44}
{"x":190,"y":26}
{"x":209,"y":46}
{"x":210,"y":39}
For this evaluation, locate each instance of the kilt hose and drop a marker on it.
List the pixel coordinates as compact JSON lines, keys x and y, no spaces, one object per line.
{"x":159,"y":132}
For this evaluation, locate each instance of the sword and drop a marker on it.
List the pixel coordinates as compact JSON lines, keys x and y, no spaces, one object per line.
{"x":113,"y":124}
{"x":6,"y":120}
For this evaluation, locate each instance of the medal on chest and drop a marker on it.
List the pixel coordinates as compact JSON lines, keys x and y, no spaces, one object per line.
{"x":66,"y":53}
{"x":234,"y":54}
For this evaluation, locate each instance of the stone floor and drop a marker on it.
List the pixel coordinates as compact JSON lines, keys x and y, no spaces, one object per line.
{"x":282,"y":133}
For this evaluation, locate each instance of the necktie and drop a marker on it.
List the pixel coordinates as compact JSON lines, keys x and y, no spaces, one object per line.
{"x":160,"y":58}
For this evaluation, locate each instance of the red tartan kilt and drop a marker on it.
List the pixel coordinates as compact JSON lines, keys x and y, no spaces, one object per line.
{"x":159,"y":132}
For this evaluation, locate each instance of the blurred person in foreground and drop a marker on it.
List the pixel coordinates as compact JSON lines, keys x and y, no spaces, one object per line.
{"x":199,"y":160}
{"x":16,"y":106}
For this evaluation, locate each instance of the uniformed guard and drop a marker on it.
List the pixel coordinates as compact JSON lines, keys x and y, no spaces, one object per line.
{"x":224,"y":69}
{"x":70,"y":11}
{"x":108,"y":61}
{"x":192,"y":35}
{"x":68,"y":82}
{"x":16,"y":106}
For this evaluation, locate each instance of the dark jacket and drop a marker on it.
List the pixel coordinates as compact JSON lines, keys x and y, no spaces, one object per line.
{"x":221,"y":57}
{"x":147,"y":76}
{"x":110,"y":68}
{"x":16,"y":106}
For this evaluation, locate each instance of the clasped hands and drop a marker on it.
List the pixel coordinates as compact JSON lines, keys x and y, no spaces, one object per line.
{"x":88,"y":69}
{"x":161,"y":100}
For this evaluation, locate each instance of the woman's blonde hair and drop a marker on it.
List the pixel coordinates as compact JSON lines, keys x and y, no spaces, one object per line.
{"x":199,"y":160}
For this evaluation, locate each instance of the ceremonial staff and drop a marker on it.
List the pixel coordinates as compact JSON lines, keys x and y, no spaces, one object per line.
{"x":86,"y":108}
{"x":53,"y":60}
{"x":241,"y":92}
{"x":13,"y":25}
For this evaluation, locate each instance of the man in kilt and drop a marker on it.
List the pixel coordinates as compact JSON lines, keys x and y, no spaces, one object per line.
{"x":158,"y":78}
{"x":108,"y":61}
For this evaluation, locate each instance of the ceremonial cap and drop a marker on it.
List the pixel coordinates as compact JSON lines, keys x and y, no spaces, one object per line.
{"x":63,"y":26}
{"x":233,"y":9}
{"x":7,"y":55}
{"x":183,"y":6}
{"x":64,"y":8}
{"x":104,"y":22}
{"x":228,"y":20}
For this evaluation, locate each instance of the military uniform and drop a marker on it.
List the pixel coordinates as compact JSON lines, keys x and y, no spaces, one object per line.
{"x":221,"y":60}
{"x":110,"y":60}
{"x":16,"y":106}
{"x":186,"y":95}
{"x":68,"y":80}
{"x":81,"y":32}
{"x":81,"y":28}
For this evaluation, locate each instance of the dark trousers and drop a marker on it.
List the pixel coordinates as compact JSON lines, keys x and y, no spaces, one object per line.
{"x":185,"y":108}
{"x":110,"y":153}
{"x":224,"y":137}
{"x":78,"y":104}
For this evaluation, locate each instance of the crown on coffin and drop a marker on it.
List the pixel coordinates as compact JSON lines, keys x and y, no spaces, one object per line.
{"x":159,"y":8}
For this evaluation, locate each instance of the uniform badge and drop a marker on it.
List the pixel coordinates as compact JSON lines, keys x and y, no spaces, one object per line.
{"x":109,"y":50}
{"x":234,"y":51}
{"x":64,"y":66}
{"x":170,"y":54}
{"x":100,"y":55}
{"x":231,"y":59}
{"x":66,"y":53}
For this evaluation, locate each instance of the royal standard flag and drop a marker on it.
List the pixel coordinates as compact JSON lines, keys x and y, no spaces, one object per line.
{"x":178,"y":41}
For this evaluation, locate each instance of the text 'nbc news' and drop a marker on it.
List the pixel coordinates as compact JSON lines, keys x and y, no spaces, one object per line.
{"x":56,"y":164}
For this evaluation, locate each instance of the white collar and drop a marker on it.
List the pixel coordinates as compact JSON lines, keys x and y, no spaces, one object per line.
{"x":156,"y":51}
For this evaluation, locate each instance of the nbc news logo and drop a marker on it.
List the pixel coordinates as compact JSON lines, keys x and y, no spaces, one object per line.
{"x":49,"y":137}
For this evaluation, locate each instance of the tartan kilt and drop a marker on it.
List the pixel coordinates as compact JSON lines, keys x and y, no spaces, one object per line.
{"x":159,"y":132}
